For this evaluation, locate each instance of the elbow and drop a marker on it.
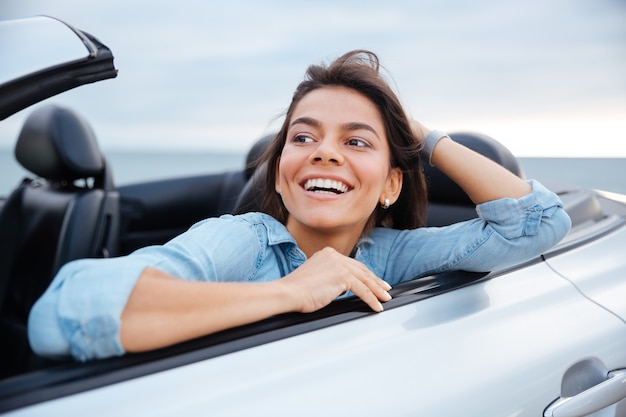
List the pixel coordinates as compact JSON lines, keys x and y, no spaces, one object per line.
{"x":560,"y":225}
{"x":550,"y":231}
{"x":56,"y":338}
{"x":44,"y":333}
{"x":72,"y":319}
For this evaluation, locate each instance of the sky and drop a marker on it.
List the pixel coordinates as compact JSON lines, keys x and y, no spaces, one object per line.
{"x":544,"y":77}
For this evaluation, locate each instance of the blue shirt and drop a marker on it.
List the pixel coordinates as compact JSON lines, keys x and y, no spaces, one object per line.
{"x":80,"y":312}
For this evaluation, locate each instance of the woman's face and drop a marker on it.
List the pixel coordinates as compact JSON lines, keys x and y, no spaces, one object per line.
{"x":334,"y":168}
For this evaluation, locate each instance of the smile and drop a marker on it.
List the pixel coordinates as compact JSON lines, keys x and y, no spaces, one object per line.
{"x":325,"y":186}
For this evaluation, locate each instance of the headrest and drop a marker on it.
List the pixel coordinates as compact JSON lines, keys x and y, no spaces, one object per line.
{"x":57,"y":144}
{"x":442,"y":189}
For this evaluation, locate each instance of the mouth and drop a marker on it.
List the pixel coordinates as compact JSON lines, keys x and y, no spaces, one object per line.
{"x":327,"y":186}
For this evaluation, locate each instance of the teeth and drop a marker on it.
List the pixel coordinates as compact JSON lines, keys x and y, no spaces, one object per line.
{"x":324,"y":185}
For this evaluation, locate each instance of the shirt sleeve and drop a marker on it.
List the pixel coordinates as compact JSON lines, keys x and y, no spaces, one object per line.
{"x":507,"y":231}
{"x":80,"y":312}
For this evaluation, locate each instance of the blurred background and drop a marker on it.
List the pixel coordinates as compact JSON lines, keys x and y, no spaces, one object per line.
{"x":196,"y":77}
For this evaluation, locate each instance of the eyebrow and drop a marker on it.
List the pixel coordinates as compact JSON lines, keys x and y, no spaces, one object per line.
{"x":350,"y":126}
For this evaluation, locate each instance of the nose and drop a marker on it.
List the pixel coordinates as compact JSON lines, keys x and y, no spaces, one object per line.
{"x":327,"y":151}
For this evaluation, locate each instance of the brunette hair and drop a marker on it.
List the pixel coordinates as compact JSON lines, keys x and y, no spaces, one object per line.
{"x":359,"y":70}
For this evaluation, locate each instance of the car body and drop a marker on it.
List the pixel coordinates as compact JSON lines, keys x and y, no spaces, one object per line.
{"x":546,"y":337}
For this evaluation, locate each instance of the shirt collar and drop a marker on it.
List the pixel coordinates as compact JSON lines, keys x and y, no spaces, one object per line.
{"x":277,"y":233}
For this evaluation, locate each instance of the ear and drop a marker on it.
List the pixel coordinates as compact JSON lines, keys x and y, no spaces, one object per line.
{"x":393,"y":186}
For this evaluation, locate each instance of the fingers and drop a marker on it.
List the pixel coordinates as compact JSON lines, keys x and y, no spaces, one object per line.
{"x":371,"y":296}
{"x":327,"y":275}
{"x":367,"y":286}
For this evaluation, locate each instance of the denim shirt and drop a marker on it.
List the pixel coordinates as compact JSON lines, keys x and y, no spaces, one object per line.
{"x":80,"y":312}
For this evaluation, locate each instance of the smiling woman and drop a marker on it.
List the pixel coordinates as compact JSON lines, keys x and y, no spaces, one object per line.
{"x":362,"y":232}
{"x":337,"y":136}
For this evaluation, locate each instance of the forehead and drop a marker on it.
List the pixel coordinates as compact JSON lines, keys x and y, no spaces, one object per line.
{"x":339,"y":105}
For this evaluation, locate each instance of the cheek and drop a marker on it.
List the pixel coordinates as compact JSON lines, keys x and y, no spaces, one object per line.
{"x":377,"y":178}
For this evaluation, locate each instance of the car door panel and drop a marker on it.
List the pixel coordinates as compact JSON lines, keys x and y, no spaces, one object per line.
{"x":496,"y":348}
{"x":604,"y":279}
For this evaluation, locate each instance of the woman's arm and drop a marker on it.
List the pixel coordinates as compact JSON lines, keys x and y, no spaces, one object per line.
{"x":482,"y":179}
{"x":163,"y":310}
{"x":77,"y":315}
{"x":518,"y":219}
{"x":160,"y":295}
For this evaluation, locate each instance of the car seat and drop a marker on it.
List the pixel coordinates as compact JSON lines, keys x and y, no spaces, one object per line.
{"x":448,"y":203}
{"x":154,"y":212}
{"x":69,"y":212}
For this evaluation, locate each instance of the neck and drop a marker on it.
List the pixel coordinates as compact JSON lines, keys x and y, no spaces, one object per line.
{"x":311,"y":241}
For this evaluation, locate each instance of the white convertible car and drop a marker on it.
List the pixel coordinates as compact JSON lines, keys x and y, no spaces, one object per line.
{"x":546,"y":337}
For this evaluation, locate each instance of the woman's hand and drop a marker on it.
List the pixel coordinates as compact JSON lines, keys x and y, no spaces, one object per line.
{"x":328,"y":274}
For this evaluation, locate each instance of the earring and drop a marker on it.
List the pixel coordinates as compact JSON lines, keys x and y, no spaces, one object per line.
{"x":386,"y":204}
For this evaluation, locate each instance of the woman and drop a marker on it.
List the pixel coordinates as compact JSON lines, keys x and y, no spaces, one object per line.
{"x":343,"y":212}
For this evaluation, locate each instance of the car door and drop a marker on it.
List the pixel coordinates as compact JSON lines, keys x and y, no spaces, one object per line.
{"x":596,"y":269}
{"x":499,"y":347}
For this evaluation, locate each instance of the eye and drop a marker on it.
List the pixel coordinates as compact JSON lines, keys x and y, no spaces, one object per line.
{"x":357,"y":143}
{"x":300,"y":138}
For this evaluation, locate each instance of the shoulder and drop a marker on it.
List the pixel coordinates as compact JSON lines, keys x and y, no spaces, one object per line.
{"x":274,"y":231}
{"x":253,"y":218}
{"x":229,"y":221}
{"x":263,"y":226}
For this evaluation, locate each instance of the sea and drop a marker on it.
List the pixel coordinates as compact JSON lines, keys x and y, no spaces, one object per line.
{"x":128,"y":167}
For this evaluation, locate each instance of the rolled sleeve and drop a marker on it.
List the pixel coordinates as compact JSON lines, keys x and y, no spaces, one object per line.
{"x":516,"y":230}
{"x":513,"y":218}
{"x":80,"y":314}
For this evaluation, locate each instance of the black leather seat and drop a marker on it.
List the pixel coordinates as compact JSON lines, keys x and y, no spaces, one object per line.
{"x":448,"y":203}
{"x":71,"y":211}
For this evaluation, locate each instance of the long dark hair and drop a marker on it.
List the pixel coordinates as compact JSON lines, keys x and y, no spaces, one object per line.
{"x":359,"y":70}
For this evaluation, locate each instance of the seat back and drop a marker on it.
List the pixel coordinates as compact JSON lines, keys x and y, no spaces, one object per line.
{"x":70,"y":211}
{"x":448,"y":203}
